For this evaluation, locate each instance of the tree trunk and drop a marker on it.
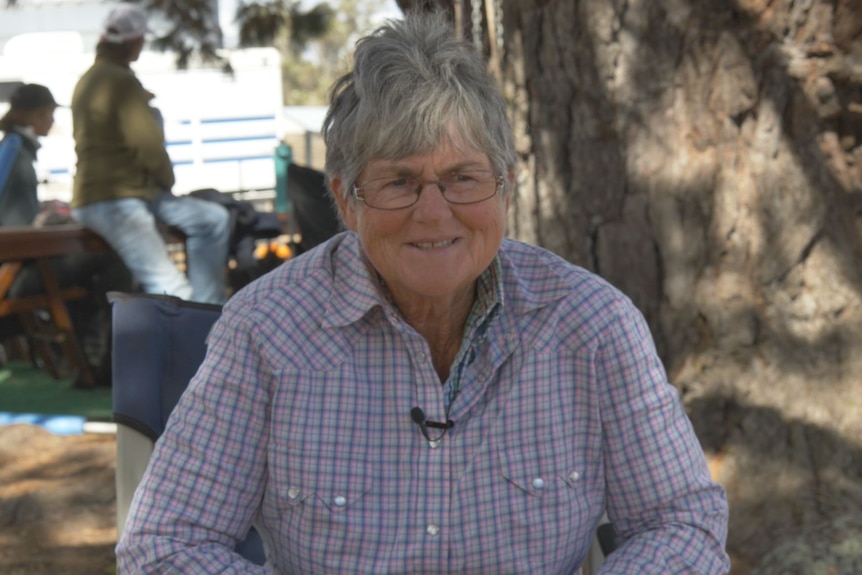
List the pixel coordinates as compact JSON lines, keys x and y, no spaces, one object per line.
{"x":705,"y":156}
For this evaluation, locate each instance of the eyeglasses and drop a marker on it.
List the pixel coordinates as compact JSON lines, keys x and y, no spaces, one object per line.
{"x":399,"y":192}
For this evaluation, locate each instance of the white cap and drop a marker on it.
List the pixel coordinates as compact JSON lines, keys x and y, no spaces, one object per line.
{"x":124,"y":22}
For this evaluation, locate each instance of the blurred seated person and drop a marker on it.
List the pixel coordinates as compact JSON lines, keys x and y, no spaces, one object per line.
{"x":420,"y":394}
{"x":124,"y":176}
{"x":30,"y":116}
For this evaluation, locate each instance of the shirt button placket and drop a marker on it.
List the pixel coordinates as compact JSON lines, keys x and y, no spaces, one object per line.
{"x":435,"y":496}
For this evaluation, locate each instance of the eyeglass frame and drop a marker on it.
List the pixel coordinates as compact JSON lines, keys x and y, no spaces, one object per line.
{"x":357,"y":188}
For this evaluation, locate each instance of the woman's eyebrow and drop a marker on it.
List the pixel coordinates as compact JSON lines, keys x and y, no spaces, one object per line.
{"x":396,"y":169}
{"x":466,"y":165}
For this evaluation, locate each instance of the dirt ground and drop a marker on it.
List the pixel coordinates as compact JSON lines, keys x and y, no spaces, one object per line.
{"x":57,"y":503}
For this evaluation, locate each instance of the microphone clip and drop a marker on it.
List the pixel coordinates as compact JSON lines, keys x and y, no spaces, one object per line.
{"x":418,"y":417}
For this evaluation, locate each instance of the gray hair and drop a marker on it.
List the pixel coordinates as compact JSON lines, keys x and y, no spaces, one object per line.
{"x":412,"y":86}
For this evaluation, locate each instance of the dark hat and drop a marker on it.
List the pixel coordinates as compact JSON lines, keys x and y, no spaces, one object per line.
{"x":31,"y":96}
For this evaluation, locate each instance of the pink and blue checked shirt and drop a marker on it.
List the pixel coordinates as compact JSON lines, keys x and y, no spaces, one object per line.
{"x":299,"y":422}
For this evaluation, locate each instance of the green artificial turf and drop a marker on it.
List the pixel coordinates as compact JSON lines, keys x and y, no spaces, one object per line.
{"x":27,"y":389}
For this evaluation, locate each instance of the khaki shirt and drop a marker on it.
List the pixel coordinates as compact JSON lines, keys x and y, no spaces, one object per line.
{"x":118,"y":140}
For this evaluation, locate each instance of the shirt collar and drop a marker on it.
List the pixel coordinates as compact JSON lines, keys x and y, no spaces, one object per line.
{"x":532,"y":277}
{"x":29,"y":134}
{"x":354,"y":290}
{"x":489,"y":296}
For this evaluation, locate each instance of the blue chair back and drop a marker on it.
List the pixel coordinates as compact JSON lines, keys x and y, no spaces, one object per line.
{"x":158,"y":344}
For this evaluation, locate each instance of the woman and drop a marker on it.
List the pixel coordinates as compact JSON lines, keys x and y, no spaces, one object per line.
{"x":30,"y":116}
{"x":419,"y":394}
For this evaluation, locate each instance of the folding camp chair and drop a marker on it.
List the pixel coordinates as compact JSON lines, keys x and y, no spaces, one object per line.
{"x":603,"y":543}
{"x":158,"y":345}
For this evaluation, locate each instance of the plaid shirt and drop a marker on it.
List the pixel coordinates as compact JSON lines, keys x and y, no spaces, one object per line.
{"x":299,"y":422}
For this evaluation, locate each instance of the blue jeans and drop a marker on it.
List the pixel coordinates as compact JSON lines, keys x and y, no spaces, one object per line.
{"x":129,"y":225}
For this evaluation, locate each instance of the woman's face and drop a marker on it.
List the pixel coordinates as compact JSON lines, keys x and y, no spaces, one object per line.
{"x":432,"y":249}
{"x":43,"y":119}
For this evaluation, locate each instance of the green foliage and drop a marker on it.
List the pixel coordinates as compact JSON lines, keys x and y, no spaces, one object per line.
{"x":305,"y":27}
{"x":192,"y":29}
{"x":309,"y":68}
{"x":260,"y":23}
{"x":316,"y":44}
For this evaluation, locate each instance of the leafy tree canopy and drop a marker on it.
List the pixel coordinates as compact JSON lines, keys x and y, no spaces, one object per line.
{"x":191,"y":27}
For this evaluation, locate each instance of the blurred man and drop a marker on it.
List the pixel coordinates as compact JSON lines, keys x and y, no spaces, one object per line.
{"x":124,"y":175}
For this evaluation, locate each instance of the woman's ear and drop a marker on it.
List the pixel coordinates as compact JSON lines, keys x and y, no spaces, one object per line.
{"x":346,"y":209}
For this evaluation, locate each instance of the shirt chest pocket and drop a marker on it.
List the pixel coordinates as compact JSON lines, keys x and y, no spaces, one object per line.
{"x":320,"y":497}
{"x":538,"y":474}
{"x":548,"y":497}
{"x":327,"y":481}
{"x":318,"y":460}
{"x":334,"y":498}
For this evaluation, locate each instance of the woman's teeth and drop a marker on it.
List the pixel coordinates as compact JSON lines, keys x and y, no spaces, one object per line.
{"x":433,"y":245}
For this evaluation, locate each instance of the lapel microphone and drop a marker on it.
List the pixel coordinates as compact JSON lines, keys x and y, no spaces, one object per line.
{"x":418,"y":417}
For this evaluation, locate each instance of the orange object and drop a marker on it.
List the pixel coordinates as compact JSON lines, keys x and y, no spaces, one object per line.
{"x":283,"y":251}
{"x":260,"y":251}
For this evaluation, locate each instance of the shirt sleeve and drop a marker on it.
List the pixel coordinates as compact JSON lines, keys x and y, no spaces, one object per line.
{"x":143,"y":133}
{"x":670,"y":517}
{"x":205,"y":479}
{"x":19,"y":200}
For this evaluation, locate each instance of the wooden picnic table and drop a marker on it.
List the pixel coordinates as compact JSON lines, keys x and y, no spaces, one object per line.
{"x":25,"y":244}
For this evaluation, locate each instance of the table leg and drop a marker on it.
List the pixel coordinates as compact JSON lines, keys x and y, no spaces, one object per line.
{"x":60,"y":314}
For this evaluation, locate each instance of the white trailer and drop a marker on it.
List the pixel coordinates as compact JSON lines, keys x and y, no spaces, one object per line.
{"x":221,"y":130}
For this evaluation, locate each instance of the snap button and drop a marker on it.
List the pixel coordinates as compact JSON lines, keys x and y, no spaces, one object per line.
{"x":538,"y":483}
{"x":574,"y":475}
{"x":293,"y":492}
{"x":434,"y":443}
{"x":432,"y":530}
{"x":340,"y":500}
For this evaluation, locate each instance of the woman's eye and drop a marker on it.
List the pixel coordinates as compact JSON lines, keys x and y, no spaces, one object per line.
{"x":399,"y":183}
{"x":467,"y":178}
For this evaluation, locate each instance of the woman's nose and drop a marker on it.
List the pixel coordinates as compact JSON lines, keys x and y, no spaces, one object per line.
{"x":431,"y":198}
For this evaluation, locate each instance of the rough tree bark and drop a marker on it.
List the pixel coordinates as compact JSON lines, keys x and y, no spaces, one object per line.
{"x":706,"y":157}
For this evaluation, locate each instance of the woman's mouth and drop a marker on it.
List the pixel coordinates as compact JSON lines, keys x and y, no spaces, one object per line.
{"x":433,"y":245}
